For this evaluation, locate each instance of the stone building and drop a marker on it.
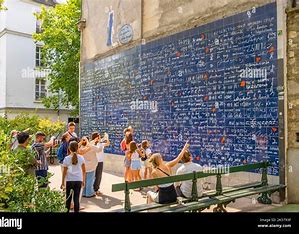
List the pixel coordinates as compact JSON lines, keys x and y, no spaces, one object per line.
{"x":293,"y":101}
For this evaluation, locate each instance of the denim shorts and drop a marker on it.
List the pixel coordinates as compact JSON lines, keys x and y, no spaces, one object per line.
{"x":147,"y":164}
{"x":135,"y":165}
{"x":127,"y":162}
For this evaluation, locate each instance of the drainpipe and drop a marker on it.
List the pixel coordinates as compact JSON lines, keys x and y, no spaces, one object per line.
{"x":141,"y":18}
{"x":83,"y":23}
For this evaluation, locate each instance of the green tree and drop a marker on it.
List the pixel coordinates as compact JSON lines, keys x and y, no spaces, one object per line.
{"x":2,"y":7}
{"x":61,"y":52}
{"x":33,"y":123}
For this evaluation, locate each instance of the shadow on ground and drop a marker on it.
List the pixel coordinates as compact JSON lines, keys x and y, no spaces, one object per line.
{"x":103,"y":202}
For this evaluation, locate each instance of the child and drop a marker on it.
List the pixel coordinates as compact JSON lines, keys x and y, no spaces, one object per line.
{"x":74,"y":175}
{"x":133,"y":155}
{"x":147,"y":154}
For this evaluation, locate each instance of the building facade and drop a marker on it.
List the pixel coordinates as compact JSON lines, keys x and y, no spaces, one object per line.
{"x":23,"y":80}
{"x":233,"y":66}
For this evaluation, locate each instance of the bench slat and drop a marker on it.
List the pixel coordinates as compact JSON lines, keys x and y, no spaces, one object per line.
{"x":152,"y":182}
{"x":184,"y":177}
{"x":143,"y":207}
{"x":248,"y":167}
{"x":232,"y":188}
{"x":249,"y":190}
{"x":205,"y":194}
{"x":221,"y":199}
{"x":205,"y":202}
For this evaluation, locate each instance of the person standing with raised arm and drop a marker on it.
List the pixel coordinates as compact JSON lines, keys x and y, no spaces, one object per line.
{"x":101,"y":144}
{"x":39,"y":148}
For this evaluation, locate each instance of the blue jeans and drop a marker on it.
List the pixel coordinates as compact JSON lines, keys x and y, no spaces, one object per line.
{"x":41,"y":176}
{"x":88,"y":190}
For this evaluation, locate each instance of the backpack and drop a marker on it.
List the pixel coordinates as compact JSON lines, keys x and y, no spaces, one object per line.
{"x":60,"y":153}
{"x":145,"y":156}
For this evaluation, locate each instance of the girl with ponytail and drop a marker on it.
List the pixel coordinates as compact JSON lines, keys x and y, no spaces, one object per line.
{"x":74,"y":175}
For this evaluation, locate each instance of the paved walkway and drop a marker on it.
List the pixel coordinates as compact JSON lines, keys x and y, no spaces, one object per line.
{"x":110,"y":201}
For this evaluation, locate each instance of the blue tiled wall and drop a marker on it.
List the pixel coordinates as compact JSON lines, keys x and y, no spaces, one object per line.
{"x":215,"y":85}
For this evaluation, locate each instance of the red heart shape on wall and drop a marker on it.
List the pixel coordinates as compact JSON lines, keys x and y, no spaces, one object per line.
{"x":258,"y":59}
{"x":274,"y":129}
{"x":271,"y":49}
{"x":242,"y":83}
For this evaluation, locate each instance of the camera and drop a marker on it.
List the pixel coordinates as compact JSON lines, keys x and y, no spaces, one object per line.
{"x":55,"y":141}
{"x":105,"y":138}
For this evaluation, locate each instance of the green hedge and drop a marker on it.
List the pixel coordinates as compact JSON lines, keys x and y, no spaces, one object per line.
{"x":19,"y":190}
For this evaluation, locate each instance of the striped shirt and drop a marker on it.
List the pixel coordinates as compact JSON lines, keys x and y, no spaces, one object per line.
{"x":40,"y":155}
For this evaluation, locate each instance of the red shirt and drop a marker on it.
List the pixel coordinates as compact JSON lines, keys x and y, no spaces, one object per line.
{"x":123,"y":145}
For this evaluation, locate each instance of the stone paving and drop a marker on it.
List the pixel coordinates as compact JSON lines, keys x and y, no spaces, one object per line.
{"x":110,"y":201}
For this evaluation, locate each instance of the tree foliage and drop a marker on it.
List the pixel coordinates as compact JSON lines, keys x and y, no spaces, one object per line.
{"x":34,"y":123}
{"x":2,"y":7}
{"x":19,"y":190}
{"x":61,"y":52}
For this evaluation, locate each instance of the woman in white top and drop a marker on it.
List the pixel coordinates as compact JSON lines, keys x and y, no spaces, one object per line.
{"x":74,"y":175}
{"x":166,"y":192}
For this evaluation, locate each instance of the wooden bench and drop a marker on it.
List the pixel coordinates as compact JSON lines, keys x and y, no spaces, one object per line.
{"x":220,"y":196}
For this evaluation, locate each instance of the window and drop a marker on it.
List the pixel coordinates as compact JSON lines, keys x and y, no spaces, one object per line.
{"x":40,"y":89}
{"x":38,"y":26}
{"x":38,"y":56}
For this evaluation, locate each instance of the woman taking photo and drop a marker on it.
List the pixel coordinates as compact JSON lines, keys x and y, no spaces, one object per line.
{"x":166,"y":193}
{"x":89,"y":151}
